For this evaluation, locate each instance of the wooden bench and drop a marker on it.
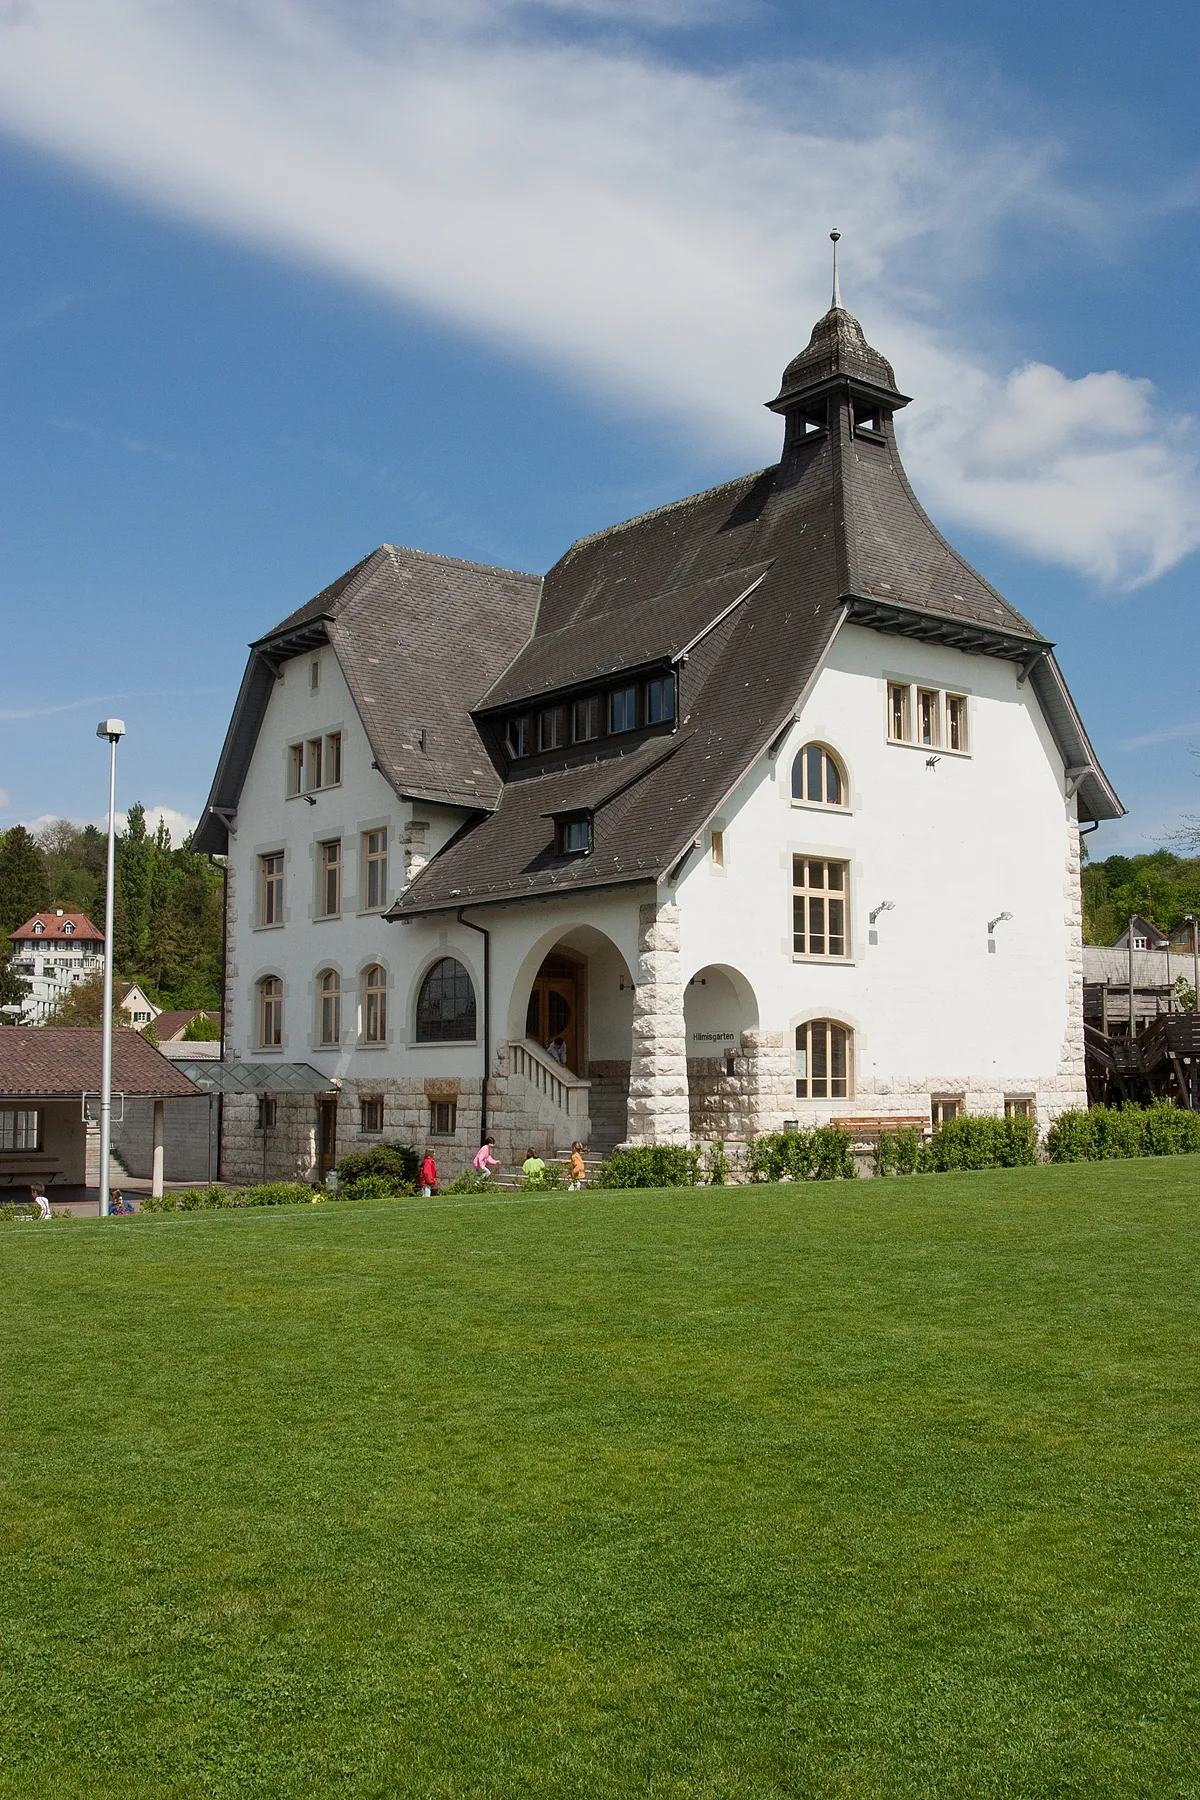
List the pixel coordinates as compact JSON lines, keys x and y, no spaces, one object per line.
{"x":868,"y":1127}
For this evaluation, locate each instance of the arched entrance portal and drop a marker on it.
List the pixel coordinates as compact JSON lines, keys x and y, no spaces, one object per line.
{"x":552,"y":1017}
{"x":721,"y":1020}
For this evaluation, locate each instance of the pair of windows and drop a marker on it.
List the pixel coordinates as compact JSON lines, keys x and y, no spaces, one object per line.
{"x":374,"y":1006}
{"x":820,"y":899}
{"x":20,"y":1128}
{"x":592,"y":716}
{"x":315,"y":763}
{"x":927,"y":716}
{"x":375,"y":873}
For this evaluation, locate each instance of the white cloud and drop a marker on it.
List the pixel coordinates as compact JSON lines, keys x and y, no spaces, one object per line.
{"x":653,"y":232}
{"x":178,"y":824}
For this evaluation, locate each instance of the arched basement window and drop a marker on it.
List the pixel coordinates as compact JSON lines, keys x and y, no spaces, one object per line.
{"x":331,"y":1007}
{"x":446,"y":1004}
{"x":823,"y":1060}
{"x":817,"y":777}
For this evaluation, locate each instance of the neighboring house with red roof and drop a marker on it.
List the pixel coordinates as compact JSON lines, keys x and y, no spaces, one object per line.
{"x":51,"y":952}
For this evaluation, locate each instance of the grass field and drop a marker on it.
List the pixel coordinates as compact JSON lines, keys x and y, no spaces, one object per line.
{"x":883,"y":1489}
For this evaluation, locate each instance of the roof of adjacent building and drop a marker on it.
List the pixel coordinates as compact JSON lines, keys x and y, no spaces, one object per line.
{"x":51,"y":1062}
{"x":170,"y":1026}
{"x":742,"y":589}
{"x":76,"y":926}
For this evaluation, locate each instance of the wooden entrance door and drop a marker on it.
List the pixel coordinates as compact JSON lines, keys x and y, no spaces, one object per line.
{"x":553,"y":1010}
{"x":326,"y":1134}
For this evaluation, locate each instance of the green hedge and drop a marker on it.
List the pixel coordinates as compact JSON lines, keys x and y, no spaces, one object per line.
{"x":650,"y":1166}
{"x":822,"y":1154}
{"x":266,"y":1193}
{"x":967,"y":1143}
{"x":1105,"y":1132}
{"x":400,"y":1161}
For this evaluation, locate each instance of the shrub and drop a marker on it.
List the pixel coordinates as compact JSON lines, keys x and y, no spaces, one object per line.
{"x":718,"y":1163}
{"x":273,"y":1193}
{"x":982,"y":1143}
{"x":470,"y":1182}
{"x":375,"y":1187}
{"x":822,"y":1154}
{"x":552,"y":1176}
{"x":400,"y":1161}
{"x":203,"y":1029}
{"x":1108,"y":1132}
{"x":650,"y":1166}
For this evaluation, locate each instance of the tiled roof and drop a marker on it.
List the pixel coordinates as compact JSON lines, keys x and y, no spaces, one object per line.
{"x":419,"y":639}
{"x":172,"y":1025}
{"x":81,"y":930}
{"x":46,"y":1062}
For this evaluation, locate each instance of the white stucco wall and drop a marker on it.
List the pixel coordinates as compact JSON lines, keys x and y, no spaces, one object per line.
{"x":951,"y":847}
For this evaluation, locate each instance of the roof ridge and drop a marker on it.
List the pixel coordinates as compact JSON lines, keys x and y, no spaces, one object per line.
{"x":656,"y":512}
{"x":459,"y":562}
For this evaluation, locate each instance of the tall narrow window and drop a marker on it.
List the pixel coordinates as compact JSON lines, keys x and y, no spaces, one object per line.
{"x":823,"y":1060}
{"x":816,"y":777}
{"x":268,"y":1112}
{"x":956,"y":722}
{"x":270,"y":1012}
{"x":622,"y":709}
{"x":899,"y":726}
{"x":331,"y":878}
{"x":819,"y":907}
{"x":370,"y":1114}
{"x":376,"y":861}
{"x":718,"y":848}
{"x":585,"y":719}
{"x":271,"y":895}
{"x":927,"y":716}
{"x":295,"y":768}
{"x":314,"y":676}
{"x":552,"y":728}
{"x":660,"y":700}
{"x":312,"y":765}
{"x":375,"y":1005}
{"x":446,"y":1004}
{"x":331,"y":1007}
{"x":333,"y":759}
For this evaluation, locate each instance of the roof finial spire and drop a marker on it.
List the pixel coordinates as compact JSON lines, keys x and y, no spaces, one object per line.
{"x":837,"y":292}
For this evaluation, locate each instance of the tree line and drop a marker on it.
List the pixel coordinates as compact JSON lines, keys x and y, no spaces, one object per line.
{"x":166,"y":912}
{"x":1161,"y":886}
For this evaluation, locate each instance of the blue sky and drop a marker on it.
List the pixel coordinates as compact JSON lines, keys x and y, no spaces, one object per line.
{"x":285,"y":279}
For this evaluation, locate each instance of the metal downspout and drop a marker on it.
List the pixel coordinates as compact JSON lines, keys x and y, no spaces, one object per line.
{"x":487,"y":1016}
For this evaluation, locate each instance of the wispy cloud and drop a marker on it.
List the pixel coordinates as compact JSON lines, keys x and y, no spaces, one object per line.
{"x":547,"y":178}
{"x":136,"y":446}
{"x":1170,"y":735}
{"x":12,"y":714}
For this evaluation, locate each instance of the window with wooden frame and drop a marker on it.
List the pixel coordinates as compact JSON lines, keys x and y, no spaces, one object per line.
{"x":270,"y":1012}
{"x":375,"y":868}
{"x":817,"y":778}
{"x":1018,"y":1106}
{"x":330,"y":989}
{"x":718,"y":848}
{"x":944,"y":1107}
{"x":296,"y":769}
{"x":552,"y":728}
{"x":823,"y":1060}
{"x":899,"y":712}
{"x":375,"y":1005}
{"x":622,"y":710}
{"x":370,"y":1114}
{"x":314,"y":676}
{"x":443,"y":1118}
{"x":20,"y":1129}
{"x":314,"y":764}
{"x":518,"y":736}
{"x":660,"y":700}
{"x":574,"y":837}
{"x":956,"y":722}
{"x":819,"y":903}
{"x":585,"y":719}
{"x":928,"y":716}
{"x":931,"y":718}
{"x":330,"y":896}
{"x":333,"y":759}
{"x":270,"y":894}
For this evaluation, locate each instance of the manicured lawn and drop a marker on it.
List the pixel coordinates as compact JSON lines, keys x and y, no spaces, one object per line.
{"x":883,"y":1489}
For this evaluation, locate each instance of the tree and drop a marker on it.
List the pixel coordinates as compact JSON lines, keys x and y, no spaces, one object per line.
{"x":23,"y":887}
{"x":83,"y":1004}
{"x":201,"y":1030}
{"x":13,"y":991}
{"x":134,"y":860}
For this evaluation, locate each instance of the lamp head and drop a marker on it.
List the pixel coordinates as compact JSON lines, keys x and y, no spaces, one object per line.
{"x":112,"y":729}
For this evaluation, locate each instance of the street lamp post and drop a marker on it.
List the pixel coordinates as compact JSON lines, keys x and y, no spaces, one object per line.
{"x":114,"y":731}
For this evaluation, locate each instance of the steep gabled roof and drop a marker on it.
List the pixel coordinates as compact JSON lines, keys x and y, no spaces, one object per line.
{"x":835,"y":532}
{"x":419,"y":638}
{"x":55,"y":926}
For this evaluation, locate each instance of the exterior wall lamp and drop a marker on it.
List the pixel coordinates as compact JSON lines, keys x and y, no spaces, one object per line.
{"x":884,"y":906}
{"x":992,"y":924}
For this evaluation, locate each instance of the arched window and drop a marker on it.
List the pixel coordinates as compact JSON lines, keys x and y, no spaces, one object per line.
{"x":823,"y":1056}
{"x":817,"y":777}
{"x":446,"y":1004}
{"x":331,"y":1007}
{"x":375,"y":1005}
{"x":270,"y":1012}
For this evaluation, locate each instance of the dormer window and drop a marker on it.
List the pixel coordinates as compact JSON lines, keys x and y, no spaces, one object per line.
{"x":585,"y":719}
{"x":39,"y":928}
{"x":660,"y":701}
{"x":68,"y":928}
{"x":622,"y":709}
{"x":574,"y":836}
{"x":552,"y":728}
{"x":518,"y":737}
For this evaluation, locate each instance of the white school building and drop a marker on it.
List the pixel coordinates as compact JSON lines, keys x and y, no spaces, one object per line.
{"x":762,"y":807}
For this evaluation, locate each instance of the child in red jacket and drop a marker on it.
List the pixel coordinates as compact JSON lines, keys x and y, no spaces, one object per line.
{"x":428,"y":1175}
